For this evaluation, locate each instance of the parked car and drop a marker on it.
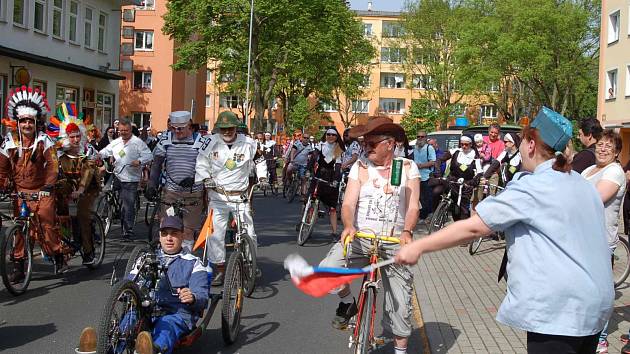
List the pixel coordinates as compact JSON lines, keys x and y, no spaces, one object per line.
{"x":483,"y":130}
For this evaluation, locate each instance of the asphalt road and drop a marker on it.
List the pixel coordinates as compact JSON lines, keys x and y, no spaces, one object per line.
{"x":277,"y":319}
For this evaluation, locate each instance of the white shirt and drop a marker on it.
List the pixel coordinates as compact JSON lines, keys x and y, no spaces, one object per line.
{"x":124,"y":153}
{"x":613,"y":173}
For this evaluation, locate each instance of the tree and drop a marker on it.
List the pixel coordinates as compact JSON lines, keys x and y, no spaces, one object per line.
{"x":422,"y":115}
{"x":301,"y":116}
{"x":303,"y":40}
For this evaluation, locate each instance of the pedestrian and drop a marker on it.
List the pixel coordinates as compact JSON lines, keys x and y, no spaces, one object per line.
{"x":110,"y":135}
{"x":424,"y":157}
{"x":559,"y":283}
{"x":589,"y":133}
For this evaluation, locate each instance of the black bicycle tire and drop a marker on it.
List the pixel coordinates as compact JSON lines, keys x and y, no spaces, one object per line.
{"x":301,"y":236}
{"x":249,"y":265}
{"x":623,"y":243}
{"x":363,"y":344}
{"x":98,"y":259}
{"x":153,"y":224}
{"x":274,"y":189}
{"x":439,"y":217}
{"x":232,"y":287}
{"x":292,"y":190}
{"x":5,"y":258}
{"x":104,"y":326}
{"x":107,"y":215}
{"x":474,"y":245}
{"x":133,"y":256}
{"x":146,"y":212}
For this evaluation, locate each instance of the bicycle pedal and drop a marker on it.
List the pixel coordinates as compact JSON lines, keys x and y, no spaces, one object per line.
{"x":378,"y":341}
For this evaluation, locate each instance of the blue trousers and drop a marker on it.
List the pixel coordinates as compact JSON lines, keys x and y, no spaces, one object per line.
{"x":167,"y":330}
{"x":128,"y":192}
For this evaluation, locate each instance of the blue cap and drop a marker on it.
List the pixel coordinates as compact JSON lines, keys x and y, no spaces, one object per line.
{"x":172,"y":222}
{"x":554,"y":129}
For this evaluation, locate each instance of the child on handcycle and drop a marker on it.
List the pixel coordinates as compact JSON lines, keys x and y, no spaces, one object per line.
{"x":187,"y":277}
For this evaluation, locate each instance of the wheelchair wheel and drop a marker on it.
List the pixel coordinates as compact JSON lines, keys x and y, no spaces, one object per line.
{"x":99,"y":238}
{"x":8,"y":243}
{"x":133,"y":256}
{"x":232,"y":298}
{"x":250,"y":264}
{"x":123,"y":317}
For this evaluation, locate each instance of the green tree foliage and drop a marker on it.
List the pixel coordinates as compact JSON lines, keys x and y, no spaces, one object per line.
{"x":302,"y":116}
{"x":422,"y":115}
{"x":300,"y":45}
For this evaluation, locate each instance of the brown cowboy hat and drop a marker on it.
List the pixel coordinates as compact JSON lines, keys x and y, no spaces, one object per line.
{"x":378,"y":126}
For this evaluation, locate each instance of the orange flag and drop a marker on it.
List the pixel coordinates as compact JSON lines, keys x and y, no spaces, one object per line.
{"x":205,"y":232}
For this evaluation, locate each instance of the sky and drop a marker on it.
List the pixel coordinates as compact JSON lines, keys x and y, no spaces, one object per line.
{"x":377,"y":5}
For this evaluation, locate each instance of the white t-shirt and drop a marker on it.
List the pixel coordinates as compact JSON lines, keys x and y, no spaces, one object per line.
{"x":613,"y":173}
{"x":381,"y":206}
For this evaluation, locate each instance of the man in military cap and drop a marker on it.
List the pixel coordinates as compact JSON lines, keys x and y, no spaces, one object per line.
{"x":227,"y":159}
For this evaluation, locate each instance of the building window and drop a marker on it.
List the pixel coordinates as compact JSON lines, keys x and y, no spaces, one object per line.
{"x":102,"y":31}
{"x":367,"y":29}
{"x":142,"y":80}
{"x":421,"y":82}
{"x":57,"y":19}
{"x":494,"y":87}
{"x":611,"y":84}
{"x":66,"y":94}
{"x":39,"y":16}
{"x":488,"y":112}
{"x":328,"y":106}
{"x":361,"y":106}
{"x":392,"y":105}
{"x":392,"y":29}
{"x":614,"y":20}
{"x":208,"y":101}
{"x":146,"y":5}
{"x":366,"y":81}
{"x":87,"y":28}
{"x":42,"y":86}
{"x":73,"y":14}
{"x":19,"y":12}
{"x":141,"y":119}
{"x":208,"y":75}
{"x":391,"y":80}
{"x":393,"y":55}
{"x":144,"y":40}
{"x":104,"y":110}
{"x":229,"y":101}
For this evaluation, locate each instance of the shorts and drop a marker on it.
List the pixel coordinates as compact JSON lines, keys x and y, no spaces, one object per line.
{"x":301,"y":170}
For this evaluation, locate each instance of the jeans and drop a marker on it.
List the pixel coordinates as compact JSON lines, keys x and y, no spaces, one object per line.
{"x":426,"y":199}
{"x":128,"y":192}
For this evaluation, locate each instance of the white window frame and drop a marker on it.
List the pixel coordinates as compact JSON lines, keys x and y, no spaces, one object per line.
{"x":143,"y":77}
{"x":227,"y":100}
{"x":386,"y":55}
{"x":62,"y":22}
{"x":208,"y":75}
{"x":614,"y":26}
{"x":398,"y":34}
{"x":74,"y":16}
{"x":102,"y":29}
{"x":143,"y":116}
{"x":361,"y":106}
{"x":399,"y":103}
{"x":612,"y":79}
{"x":101,"y":107}
{"x":398,"y":80}
{"x":44,"y":28}
{"x":88,"y":21}
{"x":67,"y":89}
{"x":25,"y":6}
{"x":492,"y":110}
{"x":208,"y":100}
{"x":367,"y":29}
{"x":328,"y":106}
{"x":145,"y":7}
{"x":143,"y":48}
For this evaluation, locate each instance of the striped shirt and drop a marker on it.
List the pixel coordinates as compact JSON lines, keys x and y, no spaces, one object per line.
{"x":180,"y":157}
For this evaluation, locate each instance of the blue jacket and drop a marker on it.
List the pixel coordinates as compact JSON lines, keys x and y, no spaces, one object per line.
{"x":184,"y":271}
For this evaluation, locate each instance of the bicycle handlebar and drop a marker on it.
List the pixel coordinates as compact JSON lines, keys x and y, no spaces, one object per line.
{"x":369,"y":236}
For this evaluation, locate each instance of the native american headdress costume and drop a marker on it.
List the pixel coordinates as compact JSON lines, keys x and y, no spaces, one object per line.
{"x":25,"y":102}
{"x":66,"y":121}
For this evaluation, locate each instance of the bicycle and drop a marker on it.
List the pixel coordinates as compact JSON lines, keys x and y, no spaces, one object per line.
{"x":620,"y":260}
{"x":311,"y":212}
{"x":362,"y":337}
{"x":474,"y":245}
{"x":108,"y":204}
{"x":291,"y":187}
{"x":440,"y":216}
{"x":244,"y":249}
{"x":27,"y":223}
{"x":179,"y":207}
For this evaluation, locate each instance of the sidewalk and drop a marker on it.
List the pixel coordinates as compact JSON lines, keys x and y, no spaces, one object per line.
{"x":459,"y":296}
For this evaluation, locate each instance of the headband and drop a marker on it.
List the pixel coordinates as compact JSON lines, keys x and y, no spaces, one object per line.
{"x":509,"y":138}
{"x":465,"y":139}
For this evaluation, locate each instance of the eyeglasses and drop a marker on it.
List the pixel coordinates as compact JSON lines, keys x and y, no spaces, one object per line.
{"x":373,"y":144}
{"x":421,"y":136}
{"x":465,"y":144}
{"x":179,"y":129}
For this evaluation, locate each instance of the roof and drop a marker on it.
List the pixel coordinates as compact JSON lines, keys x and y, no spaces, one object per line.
{"x":372,"y":13}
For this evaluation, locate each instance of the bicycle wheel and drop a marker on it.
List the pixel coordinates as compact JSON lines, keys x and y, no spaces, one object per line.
{"x":9,"y":240}
{"x":274,"y":189}
{"x":365,"y":323}
{"x":148,"y":210}
{"x":250,"y":264}
{"x":134,"y":255}
{"x":105,"y":211}
{"x":99,"y":239}
{"x":123,"y":317}
{"x":621,"y":261}
{"x":473,"y":247}
{"x":309,"y":218}
{"x":439,"y":217}
{"x":154,"y":223}
{"x":232,"y":298}
{"x":293,"y":186}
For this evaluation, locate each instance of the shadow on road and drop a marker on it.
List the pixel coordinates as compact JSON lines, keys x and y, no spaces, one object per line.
{"x":16,"y":336}
{"x":443,"y":336}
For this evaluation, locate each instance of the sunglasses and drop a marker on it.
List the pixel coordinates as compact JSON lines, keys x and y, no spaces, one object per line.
{"x":331,"y":134}
{"x":179,"y":129}
{"x":373,"y":144}
{"x":465,"y":144}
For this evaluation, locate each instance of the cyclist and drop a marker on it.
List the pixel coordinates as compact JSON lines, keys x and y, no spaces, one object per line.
{"x":130,"y":154}
{"x":372,"y":202}
{"x":589,"y":133}
{"x":78,"y":177}
{"x":351,"y":152}
{"x":326,"y":164}
{"x":28,"y":159}
{"x":172,"y":158}
{"x":227,"y":159}
{"x":300,"y":155}
{"x":271,"y":152}
{"x":297,"y":136}
{"x":559,"y":284}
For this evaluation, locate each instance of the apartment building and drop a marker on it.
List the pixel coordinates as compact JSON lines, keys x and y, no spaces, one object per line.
{"x":66,"y":48}
{"x":152,"y":89}
{"x":613,"y":94}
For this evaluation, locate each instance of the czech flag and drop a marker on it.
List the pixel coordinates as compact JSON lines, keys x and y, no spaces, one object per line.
{"x":320,"y":281}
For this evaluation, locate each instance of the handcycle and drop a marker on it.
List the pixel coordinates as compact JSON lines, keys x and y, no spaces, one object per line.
{"x":108,"y":204}
{"x":311,"y":211}
{"x":363,"y":338}
{"x":242,"y":262}
{"x":132,"y":304}
{"x":27,"y":223}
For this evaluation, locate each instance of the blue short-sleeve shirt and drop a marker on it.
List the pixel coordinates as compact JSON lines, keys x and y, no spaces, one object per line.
{"x":559,"y":271}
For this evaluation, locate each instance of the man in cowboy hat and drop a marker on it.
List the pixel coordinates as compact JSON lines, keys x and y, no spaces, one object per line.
{"x":371,"y":202}
{"x":226,"y":160}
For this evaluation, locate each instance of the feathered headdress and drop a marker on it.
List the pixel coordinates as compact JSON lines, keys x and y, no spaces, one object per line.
{"x":67,"y":120}
{"x":25,"y":101}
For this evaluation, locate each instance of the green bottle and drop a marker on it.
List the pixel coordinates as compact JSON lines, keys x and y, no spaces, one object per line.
{"x":397,"y":167}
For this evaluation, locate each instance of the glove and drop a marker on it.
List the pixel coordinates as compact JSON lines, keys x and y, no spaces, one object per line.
{"x":209,"y":183}
{"x":150,"y":193}
{"x":263,"y":182}
{"x":187,"y":182}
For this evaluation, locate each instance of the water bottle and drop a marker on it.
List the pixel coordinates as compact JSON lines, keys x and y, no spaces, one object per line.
{"x":24,"y":212}
{"x":396,"y":175}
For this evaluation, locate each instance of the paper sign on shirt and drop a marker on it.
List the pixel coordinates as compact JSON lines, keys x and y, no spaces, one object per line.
{"x":121,"y":153}
{"x":463,"y":167}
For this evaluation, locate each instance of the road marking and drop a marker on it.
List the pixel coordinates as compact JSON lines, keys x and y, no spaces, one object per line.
{"x":417,"y":314}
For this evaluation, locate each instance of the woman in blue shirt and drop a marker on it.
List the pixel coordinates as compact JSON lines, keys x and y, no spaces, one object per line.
{"x":559,"y":284}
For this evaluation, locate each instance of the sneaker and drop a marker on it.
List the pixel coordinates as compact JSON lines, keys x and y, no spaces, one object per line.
{"x":60,"y":264}
{"x":626,"y":349}
{"x":602,"y":347}
{"x":18,"y":272}
{"x":343,"y":314}
{"x":144,"y":343}
{"x":87,"y":341}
